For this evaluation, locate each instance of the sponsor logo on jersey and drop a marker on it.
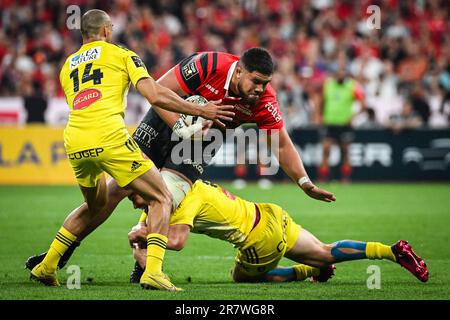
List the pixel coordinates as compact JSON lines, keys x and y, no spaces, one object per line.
{"x":273,"y":111}
{"x":138,"y":62}
{"x":211,"y":88}
{"x":189,"y":70}
{"x":85,"y":98}
{"x":88,"y":55}
{"x":144,"y":134}
{"x":135,"y":165}
{"x":131,"y":145}
{"x":89,"y":153}
{"x":194,"y":164}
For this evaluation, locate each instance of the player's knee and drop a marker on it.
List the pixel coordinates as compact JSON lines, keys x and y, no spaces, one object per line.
{"x":321,"y":256}
{"x":325,"y":254}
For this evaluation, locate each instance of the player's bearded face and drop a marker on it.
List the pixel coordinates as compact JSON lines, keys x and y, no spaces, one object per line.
{"x":252,"y":85}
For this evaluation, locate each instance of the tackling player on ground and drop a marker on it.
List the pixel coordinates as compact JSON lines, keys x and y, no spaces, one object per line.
{"x":95,"y":80}
{"x":263,"y":234}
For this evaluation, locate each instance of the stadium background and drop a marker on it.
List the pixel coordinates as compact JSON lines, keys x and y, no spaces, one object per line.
{"x":404,"y":62}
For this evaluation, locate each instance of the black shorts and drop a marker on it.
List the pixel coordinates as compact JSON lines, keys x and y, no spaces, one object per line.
{"x":339,"y":133}
{"x":154,"y":137}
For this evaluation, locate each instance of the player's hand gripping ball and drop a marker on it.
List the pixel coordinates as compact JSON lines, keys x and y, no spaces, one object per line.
{"x":188,"y":119}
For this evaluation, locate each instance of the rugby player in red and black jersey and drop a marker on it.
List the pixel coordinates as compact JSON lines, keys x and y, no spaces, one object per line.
{"x":245,"y":83}
{"x":242,"y":82}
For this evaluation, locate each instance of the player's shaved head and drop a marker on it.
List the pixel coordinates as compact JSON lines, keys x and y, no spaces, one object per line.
{"x":92,"y":22}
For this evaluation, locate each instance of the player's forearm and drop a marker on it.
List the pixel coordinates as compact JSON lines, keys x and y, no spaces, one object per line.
{"x":165,"y":98}
{"x":287,"y":155}
{"x":170,"y":118}
{"x":169,"y":100}
{"x":291,"y":163}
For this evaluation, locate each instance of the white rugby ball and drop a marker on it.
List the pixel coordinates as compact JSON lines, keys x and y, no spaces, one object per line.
{"x":188,"y":119}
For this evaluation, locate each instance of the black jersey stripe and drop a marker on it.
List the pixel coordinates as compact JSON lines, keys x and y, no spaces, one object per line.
{"x":189,"y":72}
{"x":204,"y":64}
{"x":214,"y":63}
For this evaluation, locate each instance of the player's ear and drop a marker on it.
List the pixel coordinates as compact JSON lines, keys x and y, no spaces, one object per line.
{"x":238,"y":71}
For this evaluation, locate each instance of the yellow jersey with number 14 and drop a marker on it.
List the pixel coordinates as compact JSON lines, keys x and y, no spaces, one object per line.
{"x":95,"y":80}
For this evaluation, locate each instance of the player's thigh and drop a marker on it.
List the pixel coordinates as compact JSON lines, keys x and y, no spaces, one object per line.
{"x":86,"y":167}
{"x":177,"y":186}
{"x":307,"y":246}
{"x":125,"y":162}
{"x":95,"y":197}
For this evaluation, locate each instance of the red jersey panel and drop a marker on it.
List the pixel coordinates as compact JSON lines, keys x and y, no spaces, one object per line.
{"x":209,"y":74}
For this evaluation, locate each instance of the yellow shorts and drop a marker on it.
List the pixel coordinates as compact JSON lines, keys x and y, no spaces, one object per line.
{"x":124,"y":162}
{"x":275,"y":234}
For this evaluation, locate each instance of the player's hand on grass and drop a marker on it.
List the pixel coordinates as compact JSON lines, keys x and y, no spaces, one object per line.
{"x":218,"y":113}
{"x":316,"y":193}
{"x":138,"y":236}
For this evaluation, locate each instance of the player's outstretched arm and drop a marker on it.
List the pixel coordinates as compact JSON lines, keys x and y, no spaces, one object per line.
{"x":316,"y":193}
{"x":292,"y":164}
{"x":169,"y":100}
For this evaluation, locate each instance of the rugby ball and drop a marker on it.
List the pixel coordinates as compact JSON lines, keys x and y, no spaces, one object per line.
{"x":188,"y":119}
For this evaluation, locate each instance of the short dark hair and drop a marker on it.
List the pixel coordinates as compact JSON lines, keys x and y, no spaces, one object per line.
{"x":259,"y":60}
{"x":92,"y":21}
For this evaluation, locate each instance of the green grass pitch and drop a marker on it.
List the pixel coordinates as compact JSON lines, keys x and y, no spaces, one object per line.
{"x":419,"y":213}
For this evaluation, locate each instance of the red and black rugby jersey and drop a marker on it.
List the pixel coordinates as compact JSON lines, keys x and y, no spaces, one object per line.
{"x":209,"y":74}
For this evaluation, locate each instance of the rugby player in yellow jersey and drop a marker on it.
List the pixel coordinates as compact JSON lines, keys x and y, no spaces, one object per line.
{"x":95,"y":80}
{"x":263,"y":234}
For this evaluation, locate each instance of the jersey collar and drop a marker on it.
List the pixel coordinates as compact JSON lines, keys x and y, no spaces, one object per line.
{"x":230,"y":75}
{"x":228,"y":81}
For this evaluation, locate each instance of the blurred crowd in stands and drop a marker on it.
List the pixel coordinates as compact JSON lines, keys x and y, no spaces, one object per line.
{"x":403,"y":66}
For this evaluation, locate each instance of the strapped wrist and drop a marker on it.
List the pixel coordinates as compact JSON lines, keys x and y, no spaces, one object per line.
{"x":303,"y":180}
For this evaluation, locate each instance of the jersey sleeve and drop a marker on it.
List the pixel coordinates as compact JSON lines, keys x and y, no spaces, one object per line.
{"x":135,"y":67}
{"x":270,"y":116}
{"x":187,"y":210}
{"x":143,"y":217}
{"x":192,"y":71}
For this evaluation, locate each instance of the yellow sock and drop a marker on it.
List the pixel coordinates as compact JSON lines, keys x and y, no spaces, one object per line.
{"x":60,"y":244}
{"x":156,"y":248}
{"x":377,"y":250}
{"x":303,"y":271}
